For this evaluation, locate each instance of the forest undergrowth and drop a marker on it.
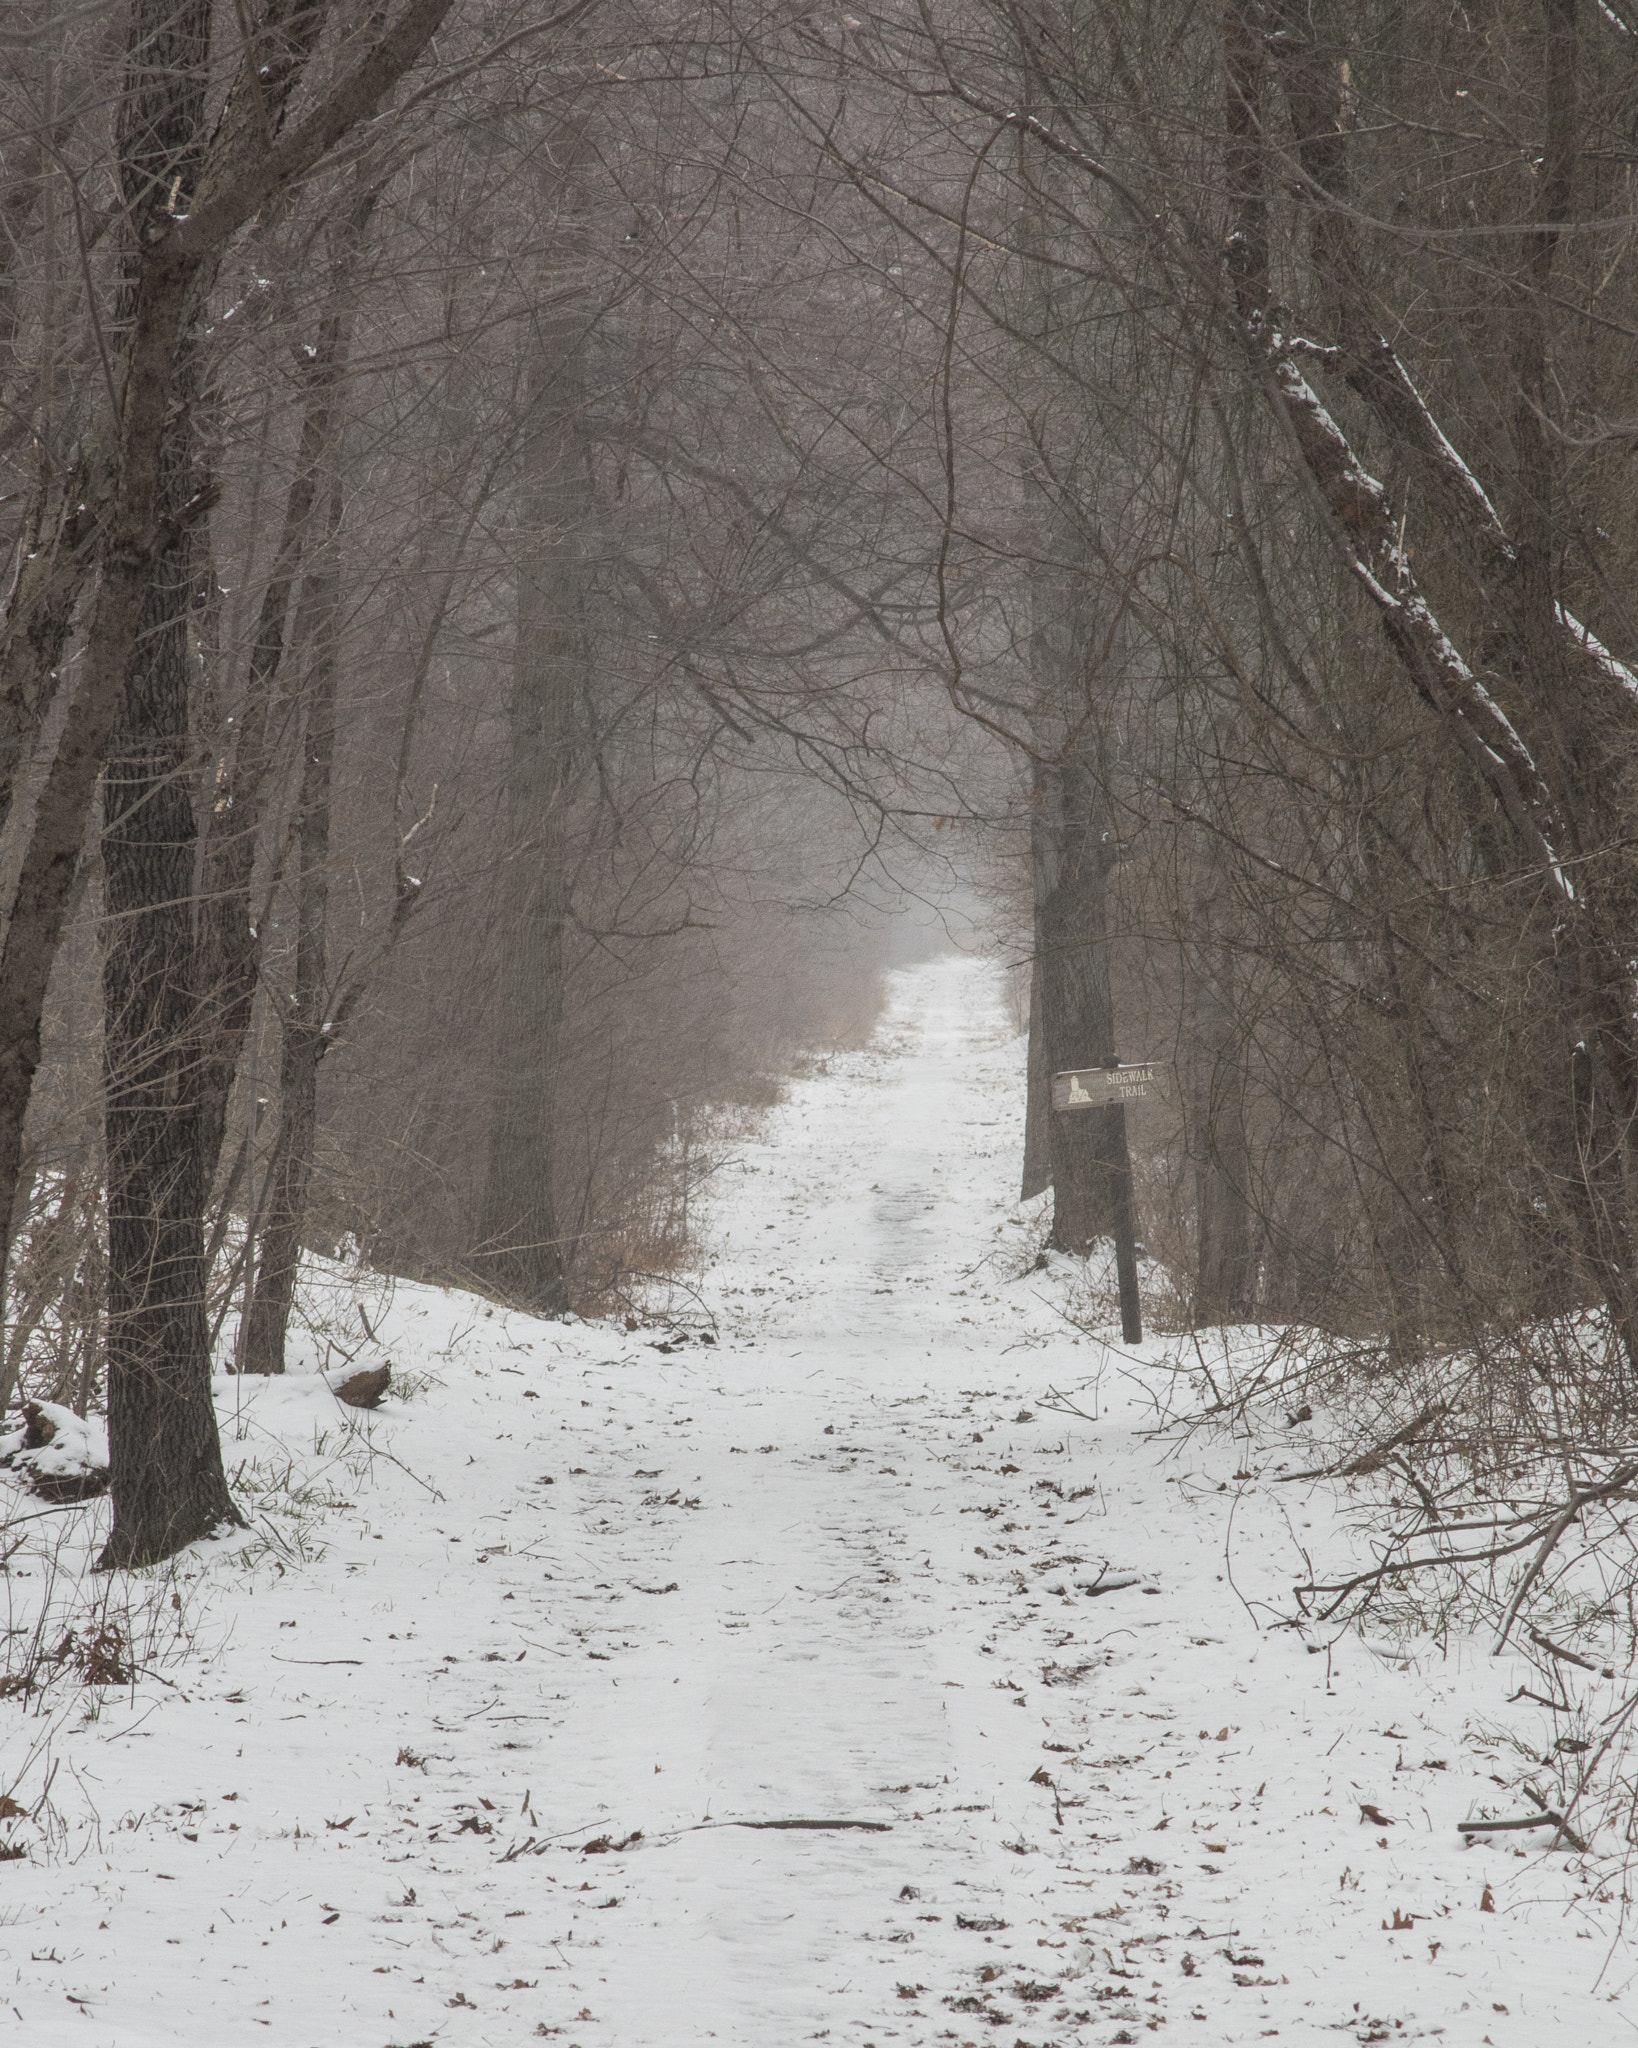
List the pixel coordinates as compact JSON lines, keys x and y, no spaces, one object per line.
{"x":1487,"y":1493}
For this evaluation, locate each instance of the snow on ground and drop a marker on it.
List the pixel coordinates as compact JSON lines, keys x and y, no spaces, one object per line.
{"x":483,"y":1733}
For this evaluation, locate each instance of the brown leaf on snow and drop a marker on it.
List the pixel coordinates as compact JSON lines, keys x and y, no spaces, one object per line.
{"x":1373,"y":1815}
{"x":1487,"y":1900}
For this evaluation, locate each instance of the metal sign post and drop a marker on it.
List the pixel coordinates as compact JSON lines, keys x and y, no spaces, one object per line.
{"x":1110,"y":1089}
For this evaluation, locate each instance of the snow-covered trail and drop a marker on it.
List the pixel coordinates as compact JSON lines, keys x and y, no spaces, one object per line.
{"x":613,"y":1600}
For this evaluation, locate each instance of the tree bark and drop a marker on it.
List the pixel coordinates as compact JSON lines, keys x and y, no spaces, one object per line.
{"x":1074,"y":851}
{"x":165,"y":1459}
{"x":168,"y":1486}
{"x":303,"y":1019}
{"x":520,"y":1255}
{"x":229,"y":936}
{"x":1217,"y":1134}
{"x":1037,"y":1174}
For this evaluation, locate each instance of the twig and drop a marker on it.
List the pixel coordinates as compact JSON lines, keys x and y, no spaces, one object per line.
{"x":537,"y":1845}
{"x":1619,"y":1718}
{"x":1536,"y":1699}
{"x":1062,"y":1405}
{"x":1552,"y":1813}
{"x":1101,"y":1585}
{"x":1217,"y":1398}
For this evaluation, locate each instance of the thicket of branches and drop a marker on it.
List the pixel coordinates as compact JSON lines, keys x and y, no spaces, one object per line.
{"x":1282,"y":402}
{"x":525,"y":529}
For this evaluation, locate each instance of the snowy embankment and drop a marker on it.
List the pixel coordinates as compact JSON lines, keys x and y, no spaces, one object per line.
{"x":494,"y":1724}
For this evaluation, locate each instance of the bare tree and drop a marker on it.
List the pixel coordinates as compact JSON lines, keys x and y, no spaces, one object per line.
{"x":120,"y":514}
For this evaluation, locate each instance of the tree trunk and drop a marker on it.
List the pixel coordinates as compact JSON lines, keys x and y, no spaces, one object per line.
{"x":229,"y":938}
{"x":1217,"y":1136}
{"x":1037,"y":1097}
{"x":521,"y":1255}
{"x":230,"y":947}
{"x":167,"y":1481}
{"x":303,"y":1020}
{"x":165,"y":1459}
{"x":168,"y":1485}
{"x":1075,"y":854}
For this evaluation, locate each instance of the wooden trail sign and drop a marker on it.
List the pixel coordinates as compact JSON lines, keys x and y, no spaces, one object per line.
{"x":1112,"y":1088}
{"x":1101,"y":1087}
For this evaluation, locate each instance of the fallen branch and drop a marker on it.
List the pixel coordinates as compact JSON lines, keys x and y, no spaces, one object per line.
{"x":1555,"y":1650}
{"x":1393,"y":1567}
{"x":1373,"y":1460}
{"x":538,"y":1845}
{"x":1551,"y":1818}
{"x":1545,"y":1532}
{"x":869,"y":1827}
{"x":1060,"y":1404}
{"x":1580,"y":1497}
